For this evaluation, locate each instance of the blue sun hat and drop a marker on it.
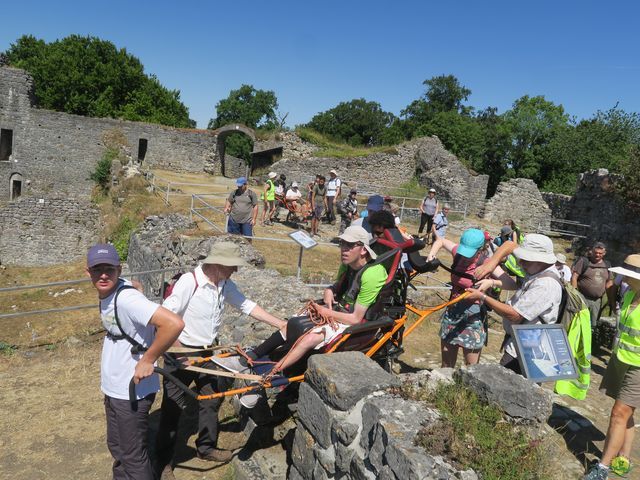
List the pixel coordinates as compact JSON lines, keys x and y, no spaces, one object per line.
{"x":471,"y":241}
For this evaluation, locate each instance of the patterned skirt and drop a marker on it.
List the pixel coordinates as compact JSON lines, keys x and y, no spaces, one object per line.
{"x":463,"y":324}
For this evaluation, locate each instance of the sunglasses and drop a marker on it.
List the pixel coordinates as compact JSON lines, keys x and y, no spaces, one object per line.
{"x":344,"y":245}
{"x":101,"y":269}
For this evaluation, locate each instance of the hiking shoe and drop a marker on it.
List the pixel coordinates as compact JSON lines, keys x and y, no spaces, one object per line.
{"x":234,"y":363}
{"x":620,"y":466}
{"x":216,"y":455}
{"x":250,"y":399}
{"x":597,"y":473}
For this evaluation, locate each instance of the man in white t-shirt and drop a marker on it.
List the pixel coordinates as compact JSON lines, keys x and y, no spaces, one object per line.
{"x":138,"y":332}
{"x":536,"y":301}
{"x":199,"y":297}
{"x":334,"y":188}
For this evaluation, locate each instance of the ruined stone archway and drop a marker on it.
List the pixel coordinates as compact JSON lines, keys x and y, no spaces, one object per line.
{"x":16,"y":186}
{"x":230,"y":166}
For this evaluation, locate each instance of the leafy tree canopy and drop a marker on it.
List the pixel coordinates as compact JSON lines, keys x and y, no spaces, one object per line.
{"x":246,"y":105}
{"x":91,"y":77}
{"x":357,"y":122}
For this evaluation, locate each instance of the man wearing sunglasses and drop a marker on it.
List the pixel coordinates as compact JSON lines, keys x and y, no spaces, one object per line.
{"x":129,"y":318}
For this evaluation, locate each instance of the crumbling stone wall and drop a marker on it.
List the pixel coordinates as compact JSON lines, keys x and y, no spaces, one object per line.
{"x":380,"y":172}
{"x":57,"y":152}
{"x":559,"y":204}
{"x":520,"y":200}
{"x":46,"y":231}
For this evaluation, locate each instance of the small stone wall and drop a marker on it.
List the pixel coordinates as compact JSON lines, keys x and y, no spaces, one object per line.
{"x":46,"y":231}
{"x":520,"y":200}
{"x":559,"y":204}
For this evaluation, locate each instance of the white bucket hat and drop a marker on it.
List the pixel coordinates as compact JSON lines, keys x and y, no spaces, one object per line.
{"x":355,"y":234}
{"x":630,"y":267}
{"x":536,"y":248}
{"x":272,"y":175}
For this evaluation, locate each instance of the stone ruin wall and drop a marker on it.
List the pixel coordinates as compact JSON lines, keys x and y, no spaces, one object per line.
{"x":57,"y":152}
{"x":51,"y":231}
{"x":381,"y":172}
{"x":520,"y":200}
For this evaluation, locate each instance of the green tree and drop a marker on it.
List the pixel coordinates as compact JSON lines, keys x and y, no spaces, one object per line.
{"x":496,"y":144}
{"x":89,"y":76}
{"x":357,"y":122}
{"x":246,"y":105}
{"x":531,"y":124}
{"x":443,"y":93}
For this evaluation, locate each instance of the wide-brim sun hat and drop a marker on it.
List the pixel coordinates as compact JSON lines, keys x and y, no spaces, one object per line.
{"x":471,"y":241}
{"x":225,"y":253}
{"x":272,"y":175}
{"x":355,"y":234}
{"x":536,"y":248}
{"x":561,"y":257}
{"x":294,"y":185}
{"x":629,"y":268}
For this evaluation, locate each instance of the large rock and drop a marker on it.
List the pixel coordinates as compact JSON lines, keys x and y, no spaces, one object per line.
{"x":520,"y":200}
{"x":516,"y":396}
{"x":315,"y":415}
{"x":342,"y":379}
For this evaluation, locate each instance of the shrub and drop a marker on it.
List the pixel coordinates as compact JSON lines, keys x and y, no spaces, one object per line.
{"x":102,"y":174}
{"x":121,"y":235}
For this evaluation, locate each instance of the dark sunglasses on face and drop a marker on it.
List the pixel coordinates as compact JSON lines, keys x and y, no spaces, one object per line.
{"x":101,"y":269}
{"x":344,"y":245}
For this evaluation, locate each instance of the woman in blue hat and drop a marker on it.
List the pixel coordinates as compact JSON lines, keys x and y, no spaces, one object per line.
{"x":464,"y":324}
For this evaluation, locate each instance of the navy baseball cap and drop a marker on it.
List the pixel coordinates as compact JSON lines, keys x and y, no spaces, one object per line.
{"x":241,"y":181}
{"x":375,"y":203}
{"x":102,"y":253}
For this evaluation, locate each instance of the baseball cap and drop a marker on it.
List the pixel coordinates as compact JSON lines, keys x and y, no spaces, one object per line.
{"x":356,"y":233}
{"x":333,"y":171}
{"x":375,"y":203}
{"x":353,"y":190}
{"x":536,"y":248}
{"x":506,"y":230}
{"x":241,"y":181}
{"x":432,"y":190}
{"x":294,"y":184}
{"x":471,"y":241}
{"x":102,"y":253}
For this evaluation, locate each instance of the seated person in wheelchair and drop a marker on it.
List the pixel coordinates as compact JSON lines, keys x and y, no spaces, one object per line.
{"x":294,"y":196}
{"x":346,"y":303}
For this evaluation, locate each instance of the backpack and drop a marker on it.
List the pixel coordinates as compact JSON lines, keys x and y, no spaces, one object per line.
{"x":572,"y":302}
{"x":168,"y":286}
{"x":136,"y":347}
{"x":586,"y":263}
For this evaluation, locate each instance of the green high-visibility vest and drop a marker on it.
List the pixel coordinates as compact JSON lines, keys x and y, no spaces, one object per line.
{"x":271,"y":192}
{"x":579,"y":336}
{"x":627,"y":348}
{"x":511,"y":264}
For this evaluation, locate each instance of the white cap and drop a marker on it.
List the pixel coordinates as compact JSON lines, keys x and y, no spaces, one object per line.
{"x":294,"y":184}
{"x":356,"y":233}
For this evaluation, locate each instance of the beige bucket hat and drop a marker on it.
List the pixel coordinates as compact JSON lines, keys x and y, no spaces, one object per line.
{"x":630,"y":267}
{"x":225,"y":253}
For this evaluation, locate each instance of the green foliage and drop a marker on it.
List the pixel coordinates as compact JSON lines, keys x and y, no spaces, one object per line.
{"x":7,"y":348}
{"x":357,"y":122}
{"x":89,"y":76}
{"x":331,"y":148}
{"x":238,"y":145}
{"x":121,"y":235}
{"x":475,"y":435}
{"x":246,"y":105}
{"x":102,"y":174}
{"x":629,"y":189}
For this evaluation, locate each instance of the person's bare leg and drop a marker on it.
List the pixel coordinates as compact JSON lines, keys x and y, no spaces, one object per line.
{"x":449,"y":354}
{"x":471,"y":357}
{"x":309,"y":342}
{"x":620,"y":416}
{"x":625,"y":451}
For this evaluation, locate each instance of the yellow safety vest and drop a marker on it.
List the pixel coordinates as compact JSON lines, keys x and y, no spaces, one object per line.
{"x":627,"y":347}
{"x":511,"y":264}
{"x":579,"y":336}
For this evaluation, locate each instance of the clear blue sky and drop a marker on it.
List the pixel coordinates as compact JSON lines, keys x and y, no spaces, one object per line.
{"x":582,"y":54}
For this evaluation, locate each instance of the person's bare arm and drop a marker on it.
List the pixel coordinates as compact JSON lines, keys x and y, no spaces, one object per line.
{"x":502,"y":309}
{"x":168,"y":327}
{"x":227,"y":206}
{"x":574,"y":279}
{"x":492,"y":262}
{"x":263,"y":316}
{"x":612,"y":291}
{"x":343,"y":317}
{"x":254,"y":214}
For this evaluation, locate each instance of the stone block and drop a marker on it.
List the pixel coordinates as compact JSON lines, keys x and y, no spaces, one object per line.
{"x":294,"y":474}
{"x":315,"y":415}
{"x":326,"y":458}
{"x":344,"y":455}
{"x":302,"y":453}
{"x":319,"y":473}
{"x":516,"y":396}
{"x":386,"y":474}
{"x":359,"y":471}
{"x":345,"y":432}
{"x":342,"y":379}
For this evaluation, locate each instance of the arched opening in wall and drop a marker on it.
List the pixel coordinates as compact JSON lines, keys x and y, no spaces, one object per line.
{"x":234,"y":150}
{"x":15,"y":186}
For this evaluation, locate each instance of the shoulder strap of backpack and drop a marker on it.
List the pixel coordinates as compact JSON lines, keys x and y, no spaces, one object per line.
{"x":136,"y":347}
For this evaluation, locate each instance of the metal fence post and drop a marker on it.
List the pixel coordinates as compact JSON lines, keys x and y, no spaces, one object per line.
{"x":300,"y":262}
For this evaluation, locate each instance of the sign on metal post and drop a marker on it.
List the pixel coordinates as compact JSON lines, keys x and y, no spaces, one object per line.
{"x":306,"y":242}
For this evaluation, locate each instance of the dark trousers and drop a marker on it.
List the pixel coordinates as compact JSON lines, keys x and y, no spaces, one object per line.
{"x":331,"y":216}
{"x":511,"y":363}
{"x":239,"y":228}
{"x":174,"y":402}
{"x":127,"y":431}
{"x":425,"y":220}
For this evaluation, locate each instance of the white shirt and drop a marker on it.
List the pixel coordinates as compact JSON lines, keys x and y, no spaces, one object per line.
{"x":332,"y":186}
{"x":201,"y":308}
{"x":538,"y":301}
{"x":118,"y":364}
{"x":293,"y":194}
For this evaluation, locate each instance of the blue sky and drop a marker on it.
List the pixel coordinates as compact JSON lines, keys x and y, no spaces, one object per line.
{"x":582,"y":54}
